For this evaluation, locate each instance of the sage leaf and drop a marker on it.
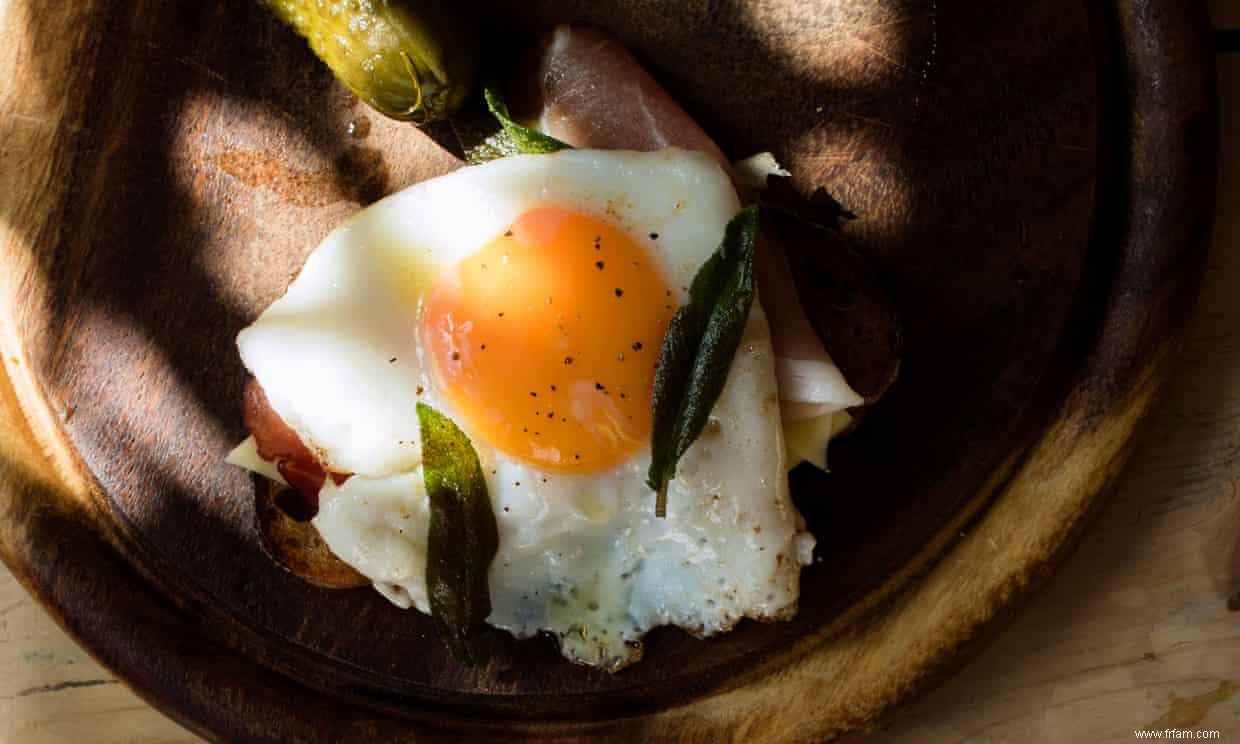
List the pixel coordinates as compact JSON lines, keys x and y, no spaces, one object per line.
{"x":819,"y":210}
{"x":462,"y":536}
{"x":698,"y":348}
{"x":502,"y":135}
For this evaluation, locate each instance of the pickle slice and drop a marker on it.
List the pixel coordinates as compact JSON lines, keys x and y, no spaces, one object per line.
{"x":411,"y":60}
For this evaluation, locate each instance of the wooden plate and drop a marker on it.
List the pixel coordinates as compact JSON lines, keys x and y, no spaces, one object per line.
{"x":1034,"y":179}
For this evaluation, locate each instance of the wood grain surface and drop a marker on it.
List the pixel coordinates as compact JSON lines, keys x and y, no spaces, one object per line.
{"x":1135,"y":631}
{"x":135,"y":334}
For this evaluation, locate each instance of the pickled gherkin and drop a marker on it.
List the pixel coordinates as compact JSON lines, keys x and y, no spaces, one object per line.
{"x":411,"y":60}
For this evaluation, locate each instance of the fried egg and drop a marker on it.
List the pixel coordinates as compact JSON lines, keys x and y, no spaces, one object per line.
{"x":527,"y":299}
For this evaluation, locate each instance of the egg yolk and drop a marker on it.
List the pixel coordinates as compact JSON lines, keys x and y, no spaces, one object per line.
{"x":546,"y":340}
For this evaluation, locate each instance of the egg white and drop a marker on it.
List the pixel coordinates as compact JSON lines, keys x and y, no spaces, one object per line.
{"x":581,"y":556}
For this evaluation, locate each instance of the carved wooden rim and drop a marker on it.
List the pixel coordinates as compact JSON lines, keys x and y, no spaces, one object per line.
{"x":1155,"y":200}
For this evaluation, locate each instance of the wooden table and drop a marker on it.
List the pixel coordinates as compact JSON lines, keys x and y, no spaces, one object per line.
{"x":1141,"y":630}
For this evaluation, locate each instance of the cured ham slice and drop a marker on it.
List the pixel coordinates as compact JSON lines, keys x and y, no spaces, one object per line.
{"x":273,"y":445}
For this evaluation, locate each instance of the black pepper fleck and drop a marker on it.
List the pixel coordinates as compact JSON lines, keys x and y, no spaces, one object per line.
{"x":654,"y":236}
{"x":456,"y":355}
{"x":599,"y":386}
{"x":508,"y":233}
{"x":533,"y":394}
{"x":568,"y":360}
{"x":619,"y":292}
{"x":599,"y":265}
{"x":637,"y":346}
{"x":393,"y":359}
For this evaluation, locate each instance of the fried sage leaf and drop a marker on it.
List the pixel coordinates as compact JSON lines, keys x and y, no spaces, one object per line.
{"x":697,"y":352}
{"x":462,"y":536}
{"x":819,"y":210}
{"x":500,"y":135}
{"x":413,"y":60}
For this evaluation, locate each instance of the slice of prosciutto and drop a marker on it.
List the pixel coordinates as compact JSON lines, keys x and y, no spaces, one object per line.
{"x":273,"y":449}
{"x":587,"y":90}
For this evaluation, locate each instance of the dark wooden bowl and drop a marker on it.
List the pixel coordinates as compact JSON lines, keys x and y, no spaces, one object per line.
{"x":1034,"y":181}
